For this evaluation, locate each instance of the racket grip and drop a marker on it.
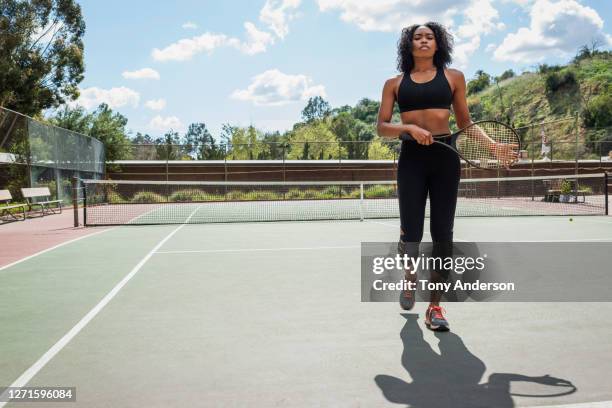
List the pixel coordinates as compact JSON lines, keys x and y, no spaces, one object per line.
{"x":407,"y":137}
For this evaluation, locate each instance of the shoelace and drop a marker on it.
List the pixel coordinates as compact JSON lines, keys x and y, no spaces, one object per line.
{"x":437,"y":311}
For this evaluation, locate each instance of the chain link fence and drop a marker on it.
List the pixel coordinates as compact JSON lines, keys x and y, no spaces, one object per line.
{"x":36,"y":154}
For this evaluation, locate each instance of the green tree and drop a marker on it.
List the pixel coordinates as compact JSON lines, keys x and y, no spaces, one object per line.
{"x":379,"y":150}
{"x":243,"y":143}
{"x":142,"y":139}
{"x":167,"y":146}
{"x":366,"y":110}
{"x":275,"y":145}
{"x":316,"y":108}
{"x":143,"y":147}
{"x":315,"y":141}
{"x":599,"y":111}
{"x":109,"y":128}
{"x":75,"y":119}
{"x":354,"y":133}
{"x":103,"y":124}
{"x":481,"y":81}
{"x":200,"y":142}
{"x":41,"y":53}
{"x":509,"y":73}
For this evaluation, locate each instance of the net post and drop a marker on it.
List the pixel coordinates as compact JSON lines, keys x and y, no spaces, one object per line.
{"x":361,"y":202}
{"x":84,"y":205}
{"x":75,"y":200}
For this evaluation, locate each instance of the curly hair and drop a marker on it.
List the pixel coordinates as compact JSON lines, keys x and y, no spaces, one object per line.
{"x":444,"y":41}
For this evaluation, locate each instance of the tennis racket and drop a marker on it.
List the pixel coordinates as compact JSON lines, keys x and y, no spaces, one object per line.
{"x":486,"y":144}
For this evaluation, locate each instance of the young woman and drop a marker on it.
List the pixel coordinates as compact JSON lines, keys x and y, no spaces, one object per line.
{"x":425,"y":92}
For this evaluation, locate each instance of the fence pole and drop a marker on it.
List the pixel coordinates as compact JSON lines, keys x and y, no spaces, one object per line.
{"x":284,"y":164}
{"x":75,"y":200}
{"x":576,"y":147}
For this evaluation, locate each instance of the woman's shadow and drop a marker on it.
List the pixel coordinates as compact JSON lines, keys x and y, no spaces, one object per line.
{"x":452,"y":378}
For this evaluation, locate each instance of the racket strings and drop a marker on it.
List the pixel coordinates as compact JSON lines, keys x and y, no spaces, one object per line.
{"x":489,"y":145}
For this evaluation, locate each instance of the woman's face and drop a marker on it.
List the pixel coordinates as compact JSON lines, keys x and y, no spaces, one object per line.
{"x":423,"y":42}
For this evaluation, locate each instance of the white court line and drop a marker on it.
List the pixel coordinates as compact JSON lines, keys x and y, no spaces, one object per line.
{"x":61,"y":343}
{"x":52,"y":248}
{"x":207,"y":251}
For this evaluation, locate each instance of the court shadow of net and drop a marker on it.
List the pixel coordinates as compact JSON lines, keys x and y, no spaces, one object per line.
{"x":453,"y":378}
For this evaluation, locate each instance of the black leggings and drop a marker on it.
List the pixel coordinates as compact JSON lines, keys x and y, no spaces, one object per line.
{"x":423,"y":170}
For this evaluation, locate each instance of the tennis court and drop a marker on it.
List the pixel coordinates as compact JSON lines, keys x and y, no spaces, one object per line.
{"x":269,"y":314}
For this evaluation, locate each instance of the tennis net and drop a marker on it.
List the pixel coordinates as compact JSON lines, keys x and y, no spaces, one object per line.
{"x":109,"y":202}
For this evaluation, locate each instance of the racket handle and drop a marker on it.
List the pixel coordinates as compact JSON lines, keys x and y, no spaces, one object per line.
{"x":407,"y":137}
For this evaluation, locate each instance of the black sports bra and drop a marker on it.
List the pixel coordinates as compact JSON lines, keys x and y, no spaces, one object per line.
{"x":435,"y":94}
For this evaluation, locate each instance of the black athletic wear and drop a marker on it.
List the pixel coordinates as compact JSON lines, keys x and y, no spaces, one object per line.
{"x":428,"y":95}
{"x":424,"y":171}
{"x":427,"y":171}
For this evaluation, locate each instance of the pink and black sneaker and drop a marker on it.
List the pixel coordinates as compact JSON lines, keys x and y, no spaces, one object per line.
{"x":435,"y":320}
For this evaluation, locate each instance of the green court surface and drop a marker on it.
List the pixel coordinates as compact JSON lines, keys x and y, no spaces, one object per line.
{"x":269,"y":314}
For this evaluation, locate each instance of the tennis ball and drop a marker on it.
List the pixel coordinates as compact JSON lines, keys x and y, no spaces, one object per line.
{"x":571,"y":219}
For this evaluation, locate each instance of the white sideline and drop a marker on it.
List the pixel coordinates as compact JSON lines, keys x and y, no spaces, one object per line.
{"x":61,"y":343}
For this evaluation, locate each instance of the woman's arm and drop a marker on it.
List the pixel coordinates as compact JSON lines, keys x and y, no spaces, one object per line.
{"x":506,"y":153}
{"x":389,"y":130}
{"x":462,"y":114}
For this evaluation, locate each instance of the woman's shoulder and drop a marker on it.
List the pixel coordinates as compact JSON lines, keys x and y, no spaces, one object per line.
{"x":392,"y":84}
{"x":394,"y":79}
{"x":455,"y":78}
{"x":454,"y":73}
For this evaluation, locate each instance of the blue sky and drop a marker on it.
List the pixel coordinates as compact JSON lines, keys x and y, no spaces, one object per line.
{"x":168,"y":64}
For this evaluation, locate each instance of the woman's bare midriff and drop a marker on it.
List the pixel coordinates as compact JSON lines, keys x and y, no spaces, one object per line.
{"x":434,"y":120}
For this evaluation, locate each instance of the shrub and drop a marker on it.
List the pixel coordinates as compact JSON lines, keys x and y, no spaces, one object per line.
{"x":147,"y":197}
{"x":379,"y":191}
{"x":558,"y":80}
{"x":189,"y":195}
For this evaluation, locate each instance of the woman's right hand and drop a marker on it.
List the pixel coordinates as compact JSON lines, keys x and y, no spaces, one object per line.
{"x":422,"y":136}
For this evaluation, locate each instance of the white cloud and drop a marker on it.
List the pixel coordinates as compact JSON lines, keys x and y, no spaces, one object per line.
{"x":490,"y":47}
{"x":115,"y":97}
{"x":277,"y":14}
{"x":556,"y":28}
{"x":464,"y":50}
{"x":186,"y":48}
{"x":522,"y":3}
{"x":392,"y":15}
{"x":164,"y":124}
{"x":156,"y":104}
{"x":183,"y":50}
{"x":257,"y":41}
{"x":477,"y":18}
{"x":274,"y":88}
{"x":145,"y":73}
{"x":480,"y":17}
{"x":190,"y":26}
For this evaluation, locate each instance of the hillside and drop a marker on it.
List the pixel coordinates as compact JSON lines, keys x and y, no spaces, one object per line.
{"x":580,"y":91}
